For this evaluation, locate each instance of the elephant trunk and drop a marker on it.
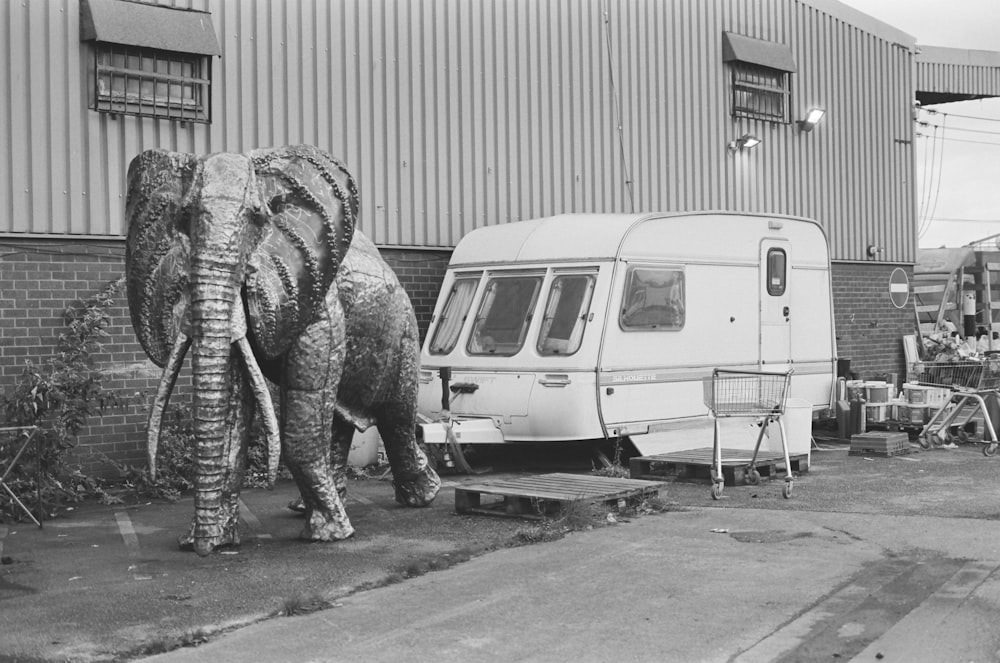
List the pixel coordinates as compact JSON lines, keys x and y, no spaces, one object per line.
{"x":211,"y":307}
{"x":221,"y":238}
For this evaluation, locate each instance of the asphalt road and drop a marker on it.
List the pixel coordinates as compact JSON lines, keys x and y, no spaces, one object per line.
{"x":895,"y":557}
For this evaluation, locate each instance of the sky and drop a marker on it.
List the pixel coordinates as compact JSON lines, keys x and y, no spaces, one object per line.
{"x":958,"y":182}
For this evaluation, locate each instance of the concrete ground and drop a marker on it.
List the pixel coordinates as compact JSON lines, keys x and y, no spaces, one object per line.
{"x":895,"y":557}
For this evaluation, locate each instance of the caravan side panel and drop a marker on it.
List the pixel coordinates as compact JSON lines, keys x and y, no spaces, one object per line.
{"x":657,"y":374}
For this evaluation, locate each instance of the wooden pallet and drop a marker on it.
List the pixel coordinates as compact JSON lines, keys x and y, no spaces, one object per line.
{"x":882,"y":453}
{"x":697,"y":464}
{"x":540,"y":496}
{"x":882,"y":445}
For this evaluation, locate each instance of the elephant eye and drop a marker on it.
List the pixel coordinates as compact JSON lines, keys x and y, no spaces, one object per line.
{"x":278,"y":203}
{"x":184,"y":223}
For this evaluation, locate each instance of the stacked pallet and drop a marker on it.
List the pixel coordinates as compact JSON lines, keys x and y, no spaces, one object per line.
{"x":884,"y":444}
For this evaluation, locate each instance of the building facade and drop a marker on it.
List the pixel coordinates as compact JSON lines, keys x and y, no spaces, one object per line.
{"x":455,"y":114}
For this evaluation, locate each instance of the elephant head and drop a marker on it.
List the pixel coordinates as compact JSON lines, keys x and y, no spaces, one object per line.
{"x":231,"y":256}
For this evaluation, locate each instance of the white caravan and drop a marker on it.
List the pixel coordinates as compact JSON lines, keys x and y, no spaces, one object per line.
{"x":598,"y":326}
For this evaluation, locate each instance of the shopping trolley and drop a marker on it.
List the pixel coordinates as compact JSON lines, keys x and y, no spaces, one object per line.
{"x":747,"y":394}
{"x":969,"y":381}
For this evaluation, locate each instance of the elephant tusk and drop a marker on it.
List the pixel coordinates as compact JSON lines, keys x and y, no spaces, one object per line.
{"x":163,"y":391}
{"x":266,"y":407}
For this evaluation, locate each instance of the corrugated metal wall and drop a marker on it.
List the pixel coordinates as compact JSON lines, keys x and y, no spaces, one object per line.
{"x":955,"y":71}
{"x":459,"y":113}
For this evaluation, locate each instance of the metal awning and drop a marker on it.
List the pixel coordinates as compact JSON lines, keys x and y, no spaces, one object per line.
{"x":956,"y":74}
{"x":757,"y":51}
{"x":148,"y":26}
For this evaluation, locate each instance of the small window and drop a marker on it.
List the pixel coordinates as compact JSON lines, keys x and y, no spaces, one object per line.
{"x":140,"y":81}
{"x":760,"y":93}
{"x":566,"y":314}
{"x":761,"y":77}
{"x":504,"y":315}
{"x":776,"y":261}
{"x":456,"y":310}
{"x":149,"y":59}
{"x":654,"y":299}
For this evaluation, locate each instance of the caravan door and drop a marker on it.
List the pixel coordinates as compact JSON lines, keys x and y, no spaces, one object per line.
{"x":775,"y":305}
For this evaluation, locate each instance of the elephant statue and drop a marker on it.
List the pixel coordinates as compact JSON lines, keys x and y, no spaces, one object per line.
{"x":252,"y":261}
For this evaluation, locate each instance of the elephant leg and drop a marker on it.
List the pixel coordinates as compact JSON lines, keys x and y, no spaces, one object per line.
{"x":415,"y":481}
{"x":311,"y":375}
{"x":340,"y":448}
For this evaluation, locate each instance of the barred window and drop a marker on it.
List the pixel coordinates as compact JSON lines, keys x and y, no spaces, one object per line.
{"x":148,"y":59}
{"x":760,"y":93}
{"x":141,"y":81}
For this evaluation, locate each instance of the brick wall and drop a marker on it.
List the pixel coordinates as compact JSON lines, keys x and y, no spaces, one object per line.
{"x":421,"y":273}
{"x":40,"y":278}
{"x":869,"y":328}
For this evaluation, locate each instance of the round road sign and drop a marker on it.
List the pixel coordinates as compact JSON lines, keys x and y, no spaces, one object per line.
{"x":899,"y":288}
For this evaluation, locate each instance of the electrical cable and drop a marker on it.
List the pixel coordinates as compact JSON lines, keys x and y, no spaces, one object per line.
{"x":971,"y":131}
{"x":929,"y":174}
{"x":618,"y":109}
{"x":933,"y":111}
{"x":975,"y":131}
{"x":962,"y":140}
{"x":923,"y":186}
{"x":937,"y":191}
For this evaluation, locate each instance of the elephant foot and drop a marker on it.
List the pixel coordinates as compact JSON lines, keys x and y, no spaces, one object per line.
{"x":230,"y":537}
{"x":419,"y":489}
{"x":335,"y":526}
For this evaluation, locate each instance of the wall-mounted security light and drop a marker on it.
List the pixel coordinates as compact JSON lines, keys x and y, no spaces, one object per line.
{"x":874,"y":250}
{"x":811,"y":119}
{"x":744,"y":142}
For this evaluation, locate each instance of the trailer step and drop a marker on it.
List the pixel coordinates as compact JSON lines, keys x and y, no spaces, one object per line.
{"x":697,"y":464}
{"x":545,"y":495}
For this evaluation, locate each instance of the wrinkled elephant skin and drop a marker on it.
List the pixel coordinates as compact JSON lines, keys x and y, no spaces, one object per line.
{"x":253,"y":264}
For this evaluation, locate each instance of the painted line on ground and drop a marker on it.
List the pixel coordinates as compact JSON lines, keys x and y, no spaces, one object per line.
{"x":127,"y":531}
{"x":790,"y":636}
{"x":927,"y":632}
{"x":252,"y":521}
{"x":131,"y":541}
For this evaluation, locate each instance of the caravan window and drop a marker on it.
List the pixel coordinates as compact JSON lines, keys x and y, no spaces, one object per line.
{"x":654,"y":299}
{"x":566,"y":314}
{"x":456,"y":309}
{"x":776,"y":272}
{"x":504,"y":315}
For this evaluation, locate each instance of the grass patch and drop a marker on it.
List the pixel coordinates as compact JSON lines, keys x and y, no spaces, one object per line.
{"x":438,"y":562}
{"x":304,"y":604}
{"x":163,"y":645}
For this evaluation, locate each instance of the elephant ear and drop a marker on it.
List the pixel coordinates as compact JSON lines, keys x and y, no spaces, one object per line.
{"x":157,"y":249}
{"x":310,"y":205}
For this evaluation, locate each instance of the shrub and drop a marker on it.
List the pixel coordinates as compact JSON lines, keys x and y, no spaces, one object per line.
{"x":58,"y":397}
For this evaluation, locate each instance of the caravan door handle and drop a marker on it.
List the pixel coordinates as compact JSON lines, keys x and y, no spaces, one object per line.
{"x":784,"y":311}
{"x":555,"y":380}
